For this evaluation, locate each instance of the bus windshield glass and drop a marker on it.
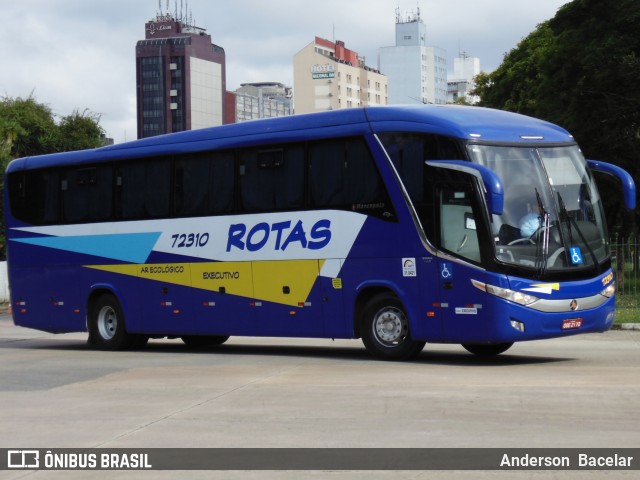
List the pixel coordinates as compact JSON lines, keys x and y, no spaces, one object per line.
{"x":553,"y":216}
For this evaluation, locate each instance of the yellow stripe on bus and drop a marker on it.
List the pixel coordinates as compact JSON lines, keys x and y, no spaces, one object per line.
{"x":287,"y":282}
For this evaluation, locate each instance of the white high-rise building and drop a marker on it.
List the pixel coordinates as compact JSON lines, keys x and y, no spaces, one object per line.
{"x":465,"y":69}
{"x":417,"y":73}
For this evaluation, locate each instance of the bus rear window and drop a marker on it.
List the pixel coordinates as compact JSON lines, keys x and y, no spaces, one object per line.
{"x":34,"y":196}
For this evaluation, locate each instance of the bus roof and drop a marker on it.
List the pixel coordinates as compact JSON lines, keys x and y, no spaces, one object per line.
{"x":470,"y":123}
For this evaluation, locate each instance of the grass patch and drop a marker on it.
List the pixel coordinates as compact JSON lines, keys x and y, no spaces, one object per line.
{"x":627,"y":315}
{"x":628,"y":307}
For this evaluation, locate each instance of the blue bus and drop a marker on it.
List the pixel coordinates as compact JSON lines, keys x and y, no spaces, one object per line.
{"x":396,"y":225}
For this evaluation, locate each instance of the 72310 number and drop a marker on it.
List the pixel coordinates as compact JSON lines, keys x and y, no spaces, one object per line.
{"x":186,"y":240}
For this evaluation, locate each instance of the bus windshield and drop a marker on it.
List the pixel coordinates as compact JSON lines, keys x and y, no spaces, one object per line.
{"x":553,"y":216}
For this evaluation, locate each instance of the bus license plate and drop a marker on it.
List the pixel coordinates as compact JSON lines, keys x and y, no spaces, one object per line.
{"x":572,"y":324}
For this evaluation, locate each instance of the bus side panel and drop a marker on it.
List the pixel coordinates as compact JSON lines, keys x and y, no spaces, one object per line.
{"x":45,"y":298}
{"x":278,"y":298}
{"x":29,"y":298}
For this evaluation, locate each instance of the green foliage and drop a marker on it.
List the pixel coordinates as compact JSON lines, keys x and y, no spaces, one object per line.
{"x":514,"y":84}
{"x":29,"y":128}
{"x":80,"y":131}
{"x":580,"y":69}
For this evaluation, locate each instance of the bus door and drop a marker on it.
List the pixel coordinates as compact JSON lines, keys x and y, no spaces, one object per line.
{"x":459,"y":258}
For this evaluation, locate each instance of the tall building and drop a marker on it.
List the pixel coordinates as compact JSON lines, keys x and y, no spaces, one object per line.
{"x":262,"y":100}
{"x":328,"y":76}
{"x":180,"y":77}
{"x":417,"y":72}
{"x":461,"y":84}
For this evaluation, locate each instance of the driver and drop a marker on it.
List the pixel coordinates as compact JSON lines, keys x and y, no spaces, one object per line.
{"x":529,"y":224}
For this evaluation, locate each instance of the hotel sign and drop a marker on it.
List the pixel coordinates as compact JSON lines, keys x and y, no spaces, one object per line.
{"x":323,"y":71}
{"x":162,"y":23}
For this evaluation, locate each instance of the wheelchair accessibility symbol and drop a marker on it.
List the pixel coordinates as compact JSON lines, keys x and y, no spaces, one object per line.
{"x":446,"y":271}
{"x":576,"y":255}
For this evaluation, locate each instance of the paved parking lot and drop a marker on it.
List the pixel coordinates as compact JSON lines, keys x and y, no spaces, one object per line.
{"x":55,"y":391}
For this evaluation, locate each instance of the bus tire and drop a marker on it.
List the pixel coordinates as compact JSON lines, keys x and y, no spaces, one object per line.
{"x":107,"y":329}
{"x":198,"y":341}
{"x":384,"y":328}
{"x":487,"y":350}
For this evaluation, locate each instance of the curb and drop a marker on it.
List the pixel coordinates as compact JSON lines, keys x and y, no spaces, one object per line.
{"x":626,"y":326}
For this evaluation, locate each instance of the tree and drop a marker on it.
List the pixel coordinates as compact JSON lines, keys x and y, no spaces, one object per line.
{"x":580,"y":70}
{"x":80,"y":131}
{"x":29,"y":128}
{"x":512,"y":86}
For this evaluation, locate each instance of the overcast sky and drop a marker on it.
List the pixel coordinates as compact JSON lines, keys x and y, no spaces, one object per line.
{"x":80,"y":54}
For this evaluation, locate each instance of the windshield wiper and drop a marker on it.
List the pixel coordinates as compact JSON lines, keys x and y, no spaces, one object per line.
{"x":565,"y":217}
{"x":542,"y":248}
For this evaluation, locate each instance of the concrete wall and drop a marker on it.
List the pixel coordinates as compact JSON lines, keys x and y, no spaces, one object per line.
{"x":4,"y":283}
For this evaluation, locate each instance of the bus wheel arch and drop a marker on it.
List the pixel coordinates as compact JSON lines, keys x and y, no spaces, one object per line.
{"x":384,"y":326}
{"x":106,"y":323}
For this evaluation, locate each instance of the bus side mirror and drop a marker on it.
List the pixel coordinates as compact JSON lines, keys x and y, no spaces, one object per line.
{"x":493,"y":188}
{"x":628,"y":185}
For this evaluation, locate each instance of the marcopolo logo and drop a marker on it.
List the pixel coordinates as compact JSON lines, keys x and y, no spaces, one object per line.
{"x":279,"y":236}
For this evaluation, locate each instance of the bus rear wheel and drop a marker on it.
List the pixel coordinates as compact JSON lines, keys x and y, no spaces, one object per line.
{"x":487,"y":350}
{"x":385,"y":331}
{"x":204,"y":340}
{"x":106,"y":325}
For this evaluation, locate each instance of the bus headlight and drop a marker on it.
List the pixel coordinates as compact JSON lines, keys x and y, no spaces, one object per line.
{"x":511,"y":295}
{"x":609,"y":291}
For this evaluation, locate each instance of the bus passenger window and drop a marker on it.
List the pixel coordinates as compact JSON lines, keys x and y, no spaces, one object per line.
{"x":326,"y":179}
{"x":87,"y":194}
{"x":145,"y":189}
{"x":272,"y":179}
{"x":343,"y":174}
{"x":204,"y":184}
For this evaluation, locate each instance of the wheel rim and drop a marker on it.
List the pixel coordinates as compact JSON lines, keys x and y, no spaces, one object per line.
{"x":107,"y":322}
{"x":390,"y":326}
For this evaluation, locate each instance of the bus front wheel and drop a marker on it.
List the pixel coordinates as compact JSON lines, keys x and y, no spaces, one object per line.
{"x":106,"y":325}
{"x":385,"y":329}
{"x":488,"y":349}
